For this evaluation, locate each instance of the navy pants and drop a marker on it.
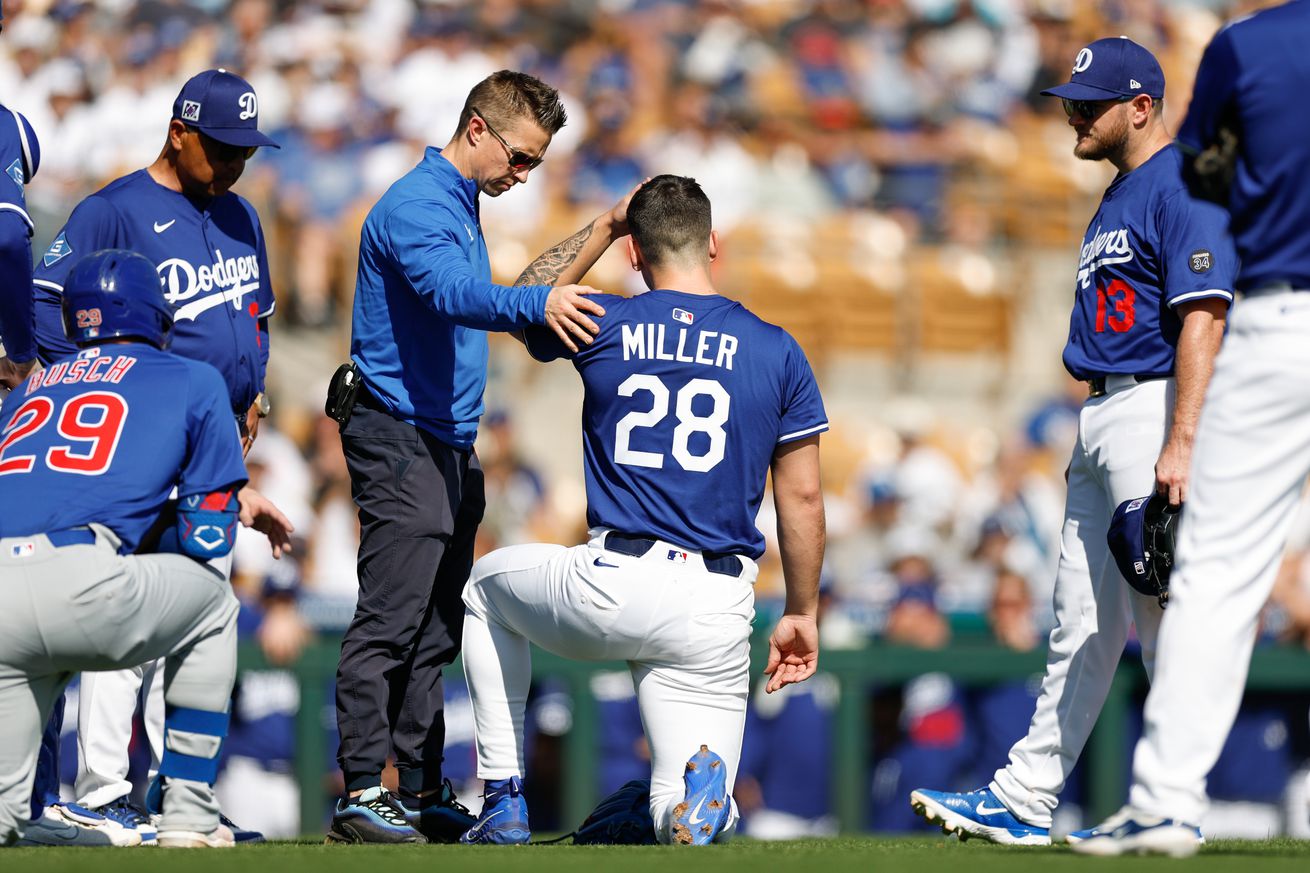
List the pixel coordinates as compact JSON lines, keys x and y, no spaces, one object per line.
{"x":420,"y":502}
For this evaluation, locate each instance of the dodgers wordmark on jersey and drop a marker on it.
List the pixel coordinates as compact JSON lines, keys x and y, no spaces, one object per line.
{"x":1149,"y":247}
{"x":211,"y":260}
{"x":664,"y":452}
{"x":130,"y":420}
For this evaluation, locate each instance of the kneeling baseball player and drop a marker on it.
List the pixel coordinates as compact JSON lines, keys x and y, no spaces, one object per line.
{"x":93,"y":447}
{"x":689,"y":401}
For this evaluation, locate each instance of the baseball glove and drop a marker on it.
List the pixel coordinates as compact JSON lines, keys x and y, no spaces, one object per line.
{"x":622,"y":819}
{"x":1141,"y":538}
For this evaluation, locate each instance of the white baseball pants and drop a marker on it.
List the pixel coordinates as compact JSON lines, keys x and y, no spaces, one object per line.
{"x":684,"y":631}
{"x":1249,"y":465}
{"x":1120,"y":435}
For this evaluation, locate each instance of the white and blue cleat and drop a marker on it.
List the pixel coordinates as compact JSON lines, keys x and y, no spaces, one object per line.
{"x":977,"y":814}
{"x":703,"y":811}
{"x":1129,"y":832}
{"x":504,"y":818}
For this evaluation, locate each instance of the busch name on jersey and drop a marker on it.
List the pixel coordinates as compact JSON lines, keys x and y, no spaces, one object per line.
{"x":106,"y":435}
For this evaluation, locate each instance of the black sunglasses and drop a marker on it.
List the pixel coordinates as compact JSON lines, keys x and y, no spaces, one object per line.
{"x":518,"y":159}
{"x":1089,"y":109}
{"x":221,"y":151}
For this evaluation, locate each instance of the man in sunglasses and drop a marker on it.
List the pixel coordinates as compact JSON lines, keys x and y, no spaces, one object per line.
{"x":424,"y":300}
{"x":1155,"y":279}
{"x":208,"y":247}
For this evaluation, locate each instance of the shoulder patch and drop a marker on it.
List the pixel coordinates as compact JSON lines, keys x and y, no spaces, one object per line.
{"x":59,"y":249}
{"x":15,"y":171}
{"x":1200,"y":261}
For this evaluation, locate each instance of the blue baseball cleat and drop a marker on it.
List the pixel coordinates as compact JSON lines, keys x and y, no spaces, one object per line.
{"x":1131,"y":832}
{"x":131,"y":816}
{"x":705,"y":806}
{"x":504,"y":819}
{"x":375,"y":816}
{"x":240,"y":835}
{"x":977,"y":814}
{"x":441,"y":818}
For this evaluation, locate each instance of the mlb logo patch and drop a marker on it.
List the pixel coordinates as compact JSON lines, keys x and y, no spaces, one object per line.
{"x":677,"y":557}
{"x":59,"y":249}
{"x":190,"y":110}
{"x":1137,"y":504}
{"x":15,"y":171}
{"x":22,"y":550}
{"x":683,"y":315}
{"x":1200,"y":261}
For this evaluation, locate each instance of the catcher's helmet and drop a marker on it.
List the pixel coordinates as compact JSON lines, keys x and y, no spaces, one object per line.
{"x":1141,"y":538}
{"x":116,"y":293}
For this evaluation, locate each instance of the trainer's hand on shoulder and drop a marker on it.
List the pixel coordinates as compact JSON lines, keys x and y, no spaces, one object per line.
{"x":259,"y":513}
{"x":793,"y":651}
{"x":567,"y":311}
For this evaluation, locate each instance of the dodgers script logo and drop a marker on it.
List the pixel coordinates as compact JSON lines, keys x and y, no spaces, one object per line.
{"x":249,"y":104}
{"x":1105,"y":247}
{"x":1083,"y":61}
{"x":225,"y":281}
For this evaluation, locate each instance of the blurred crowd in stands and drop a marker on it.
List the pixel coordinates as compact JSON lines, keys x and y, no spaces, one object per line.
{"x":845,"y":144}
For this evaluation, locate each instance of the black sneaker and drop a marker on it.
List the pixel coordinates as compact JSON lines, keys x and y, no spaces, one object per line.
{"x":375,"y":816}
{"x":442,"y":821}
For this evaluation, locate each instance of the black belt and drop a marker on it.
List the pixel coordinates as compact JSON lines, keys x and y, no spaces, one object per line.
{"x":1096,"y":384}
{"x":723,"y":563}
{"x":73,"y":536}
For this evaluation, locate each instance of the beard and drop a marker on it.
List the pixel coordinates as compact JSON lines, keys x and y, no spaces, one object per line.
{"x":1108,"y":141}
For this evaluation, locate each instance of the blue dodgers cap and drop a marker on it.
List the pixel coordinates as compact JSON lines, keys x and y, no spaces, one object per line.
{"x":1110,"y":68}
{"x":223,"y":106}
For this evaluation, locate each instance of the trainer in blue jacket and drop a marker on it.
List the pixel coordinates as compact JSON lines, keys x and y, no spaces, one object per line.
{"x":423,"y":302}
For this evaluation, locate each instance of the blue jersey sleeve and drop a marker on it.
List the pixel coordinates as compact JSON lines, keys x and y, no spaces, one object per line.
{"x":1212,"y":95}
{"x":21,"y":153}
{"x":213,"y":459}
{"x":1196,"y":251}
{"x":94,"y":224}
{"x":803,"y":414}
{"x":426,"y":248}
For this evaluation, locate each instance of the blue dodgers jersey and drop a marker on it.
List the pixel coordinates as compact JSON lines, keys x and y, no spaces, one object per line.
{"x":211,"y":260}
{"x":1251,"y":81}
{"x":686,"y":398}
{"x":104,"y":436}
{"x":1150,"y":247}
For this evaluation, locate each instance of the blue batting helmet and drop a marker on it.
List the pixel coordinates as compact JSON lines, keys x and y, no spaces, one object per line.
{"x":116,"y":293}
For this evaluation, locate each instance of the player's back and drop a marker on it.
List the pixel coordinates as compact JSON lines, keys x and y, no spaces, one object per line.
{"x":687,"y":398}
{"x":105,"y":435}
{"x":1260,"y":70}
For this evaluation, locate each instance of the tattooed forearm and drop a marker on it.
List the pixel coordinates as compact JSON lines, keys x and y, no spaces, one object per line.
{"x":547,"y":267}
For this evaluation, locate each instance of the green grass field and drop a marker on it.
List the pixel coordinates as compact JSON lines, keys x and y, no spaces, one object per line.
{"x":874,"y":855}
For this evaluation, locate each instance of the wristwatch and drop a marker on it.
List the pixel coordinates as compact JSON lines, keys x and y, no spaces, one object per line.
{"x":263,"y":406}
